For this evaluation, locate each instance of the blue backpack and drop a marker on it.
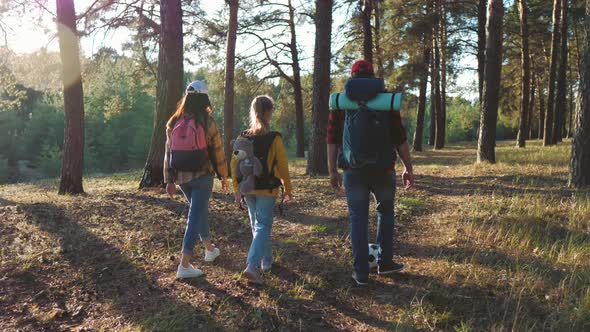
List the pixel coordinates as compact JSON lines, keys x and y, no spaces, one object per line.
{"x":367,"y":141}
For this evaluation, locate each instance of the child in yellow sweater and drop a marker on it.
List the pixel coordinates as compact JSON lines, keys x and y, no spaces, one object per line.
{"x":269,"y":147}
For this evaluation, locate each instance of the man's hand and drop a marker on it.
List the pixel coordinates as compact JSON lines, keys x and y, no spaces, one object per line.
{"x":408,"y":178}
{"x":335,"y":180}
{"x":171,"y":189}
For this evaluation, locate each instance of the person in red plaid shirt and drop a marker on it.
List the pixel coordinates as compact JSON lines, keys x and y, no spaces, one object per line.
{"x":359,"y":183}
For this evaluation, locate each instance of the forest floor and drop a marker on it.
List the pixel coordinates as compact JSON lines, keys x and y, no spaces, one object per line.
{"x":487,"y":247}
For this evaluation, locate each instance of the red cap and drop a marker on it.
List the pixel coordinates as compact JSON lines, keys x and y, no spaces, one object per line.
{"x":362,"y":66}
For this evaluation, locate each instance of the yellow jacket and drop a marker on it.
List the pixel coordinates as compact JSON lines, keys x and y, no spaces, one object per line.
{"x":281,"y":170}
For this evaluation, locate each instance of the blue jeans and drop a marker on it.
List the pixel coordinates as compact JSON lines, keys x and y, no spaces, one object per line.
{"x":359,"y":183}
{"x":197,"y":192}
{"x":260,"y":209}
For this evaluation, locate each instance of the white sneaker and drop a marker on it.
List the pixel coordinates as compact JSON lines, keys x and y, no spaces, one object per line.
{"x":211,"y":255}
{"x":187,"y":272}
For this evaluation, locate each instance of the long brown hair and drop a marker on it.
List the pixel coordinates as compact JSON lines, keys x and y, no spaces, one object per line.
{"x":260,"y":107}
{"x":196,"y":105}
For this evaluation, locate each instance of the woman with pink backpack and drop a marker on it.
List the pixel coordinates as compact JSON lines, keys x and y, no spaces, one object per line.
{"x":193,"y":153}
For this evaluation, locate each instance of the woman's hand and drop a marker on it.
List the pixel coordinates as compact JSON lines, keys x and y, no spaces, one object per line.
{"x":224,"y":186}
{"x":171,"y":189}
{"x":287,"y":198}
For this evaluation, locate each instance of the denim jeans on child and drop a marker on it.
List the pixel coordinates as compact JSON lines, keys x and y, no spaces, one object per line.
{"x":359,"y":183}
{"x":260,"y":209}
{"x":197,"y":192}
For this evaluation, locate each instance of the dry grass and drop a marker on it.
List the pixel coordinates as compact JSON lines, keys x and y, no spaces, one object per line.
{"x":488,"y":247}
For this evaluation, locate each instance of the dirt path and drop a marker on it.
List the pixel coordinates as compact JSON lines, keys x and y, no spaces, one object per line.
{"x":107,"y":260}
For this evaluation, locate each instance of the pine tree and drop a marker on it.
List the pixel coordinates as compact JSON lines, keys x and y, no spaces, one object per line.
{"x":492,"y":77}
{"x":73,"y":155}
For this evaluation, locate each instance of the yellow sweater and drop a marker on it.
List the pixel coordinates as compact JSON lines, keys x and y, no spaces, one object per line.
{"x":281,"y":171}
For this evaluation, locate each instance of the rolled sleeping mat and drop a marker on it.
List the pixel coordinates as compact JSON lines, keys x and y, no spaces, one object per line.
{"x":383,"y":102}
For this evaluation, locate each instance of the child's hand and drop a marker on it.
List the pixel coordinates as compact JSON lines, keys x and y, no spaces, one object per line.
{"x":238,"y":197}
{"x":171,"y":189}
{"x":224,"y":186}
{"x":287,"y":198}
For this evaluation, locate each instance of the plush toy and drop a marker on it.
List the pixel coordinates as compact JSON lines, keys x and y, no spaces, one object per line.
{"x":248,"y":166}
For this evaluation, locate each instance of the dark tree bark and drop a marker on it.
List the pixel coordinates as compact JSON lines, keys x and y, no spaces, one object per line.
{"x":366,"y":15}
{"x":491,"y":89}
{"x":526,"y":75}
{"x":531,"y":107}
{"x":230,"y":63}
{"x":549,"y":117}
{"x":297,"y":91}
{"x":439,"y":119}
{"x":378,"y":50}
{"x":442,"y":121}
{"x":571,"y":129}
{"x":541,"y":110}
{"x":422,"y":96}
{"x":481,"y":42}
{"x":560,"y":100}
{"x":168,"y":90}
{"x":73,"y":151}
{"x":318,"y":159}
{"x":580,"y":166}
{"x":432,"y":129}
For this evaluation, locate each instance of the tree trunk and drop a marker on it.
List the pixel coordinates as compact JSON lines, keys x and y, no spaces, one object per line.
{"x":531,"y":109}
{"x":432,"y":98}
{"x":580,"y":167}
{"x":168,"y":89}
{"x":441,"y":134}
{"x":422,"y":96}
{"x":492,"y":77}
{"x":481,"y":43}
{"x":297,"y":91}
{"x":439,"y":124}
{"x":378,"y":50}
{"x":541,"y":110}
{"x":73,"y":151}
{"x":571,"y":129}
{"x":366,"y":14}
{"x":318,"y":160}
{"x":549,"y":117}
{"x":526,"y":75}
{"x":560,"y":100}
{"x":230,"y":62}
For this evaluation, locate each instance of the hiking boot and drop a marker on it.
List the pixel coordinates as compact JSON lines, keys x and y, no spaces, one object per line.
{"x":389,"y":267}
{"x":211,"y":255}
{"x":361,"y":281}
{"x":188,"y":272}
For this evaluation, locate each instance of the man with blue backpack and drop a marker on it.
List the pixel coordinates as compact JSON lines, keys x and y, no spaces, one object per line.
{"x":363,"y":142}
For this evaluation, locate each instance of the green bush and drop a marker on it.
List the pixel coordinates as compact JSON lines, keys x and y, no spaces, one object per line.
{"x":50,"y":161}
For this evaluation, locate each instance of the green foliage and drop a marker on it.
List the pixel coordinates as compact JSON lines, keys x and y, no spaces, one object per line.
{"x":4,"y":170}
{"x":119,"y":107}
{"x":50,"y":161}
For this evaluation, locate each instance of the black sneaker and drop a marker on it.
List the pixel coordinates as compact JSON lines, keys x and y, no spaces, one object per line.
{"x":360,"y":281}
{"x":389,"y":267}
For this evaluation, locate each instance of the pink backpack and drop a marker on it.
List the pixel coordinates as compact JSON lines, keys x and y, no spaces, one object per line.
{"x":188,"y":146}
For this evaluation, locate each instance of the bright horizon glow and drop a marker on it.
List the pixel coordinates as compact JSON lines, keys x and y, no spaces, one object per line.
{"x":27,"y":35}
